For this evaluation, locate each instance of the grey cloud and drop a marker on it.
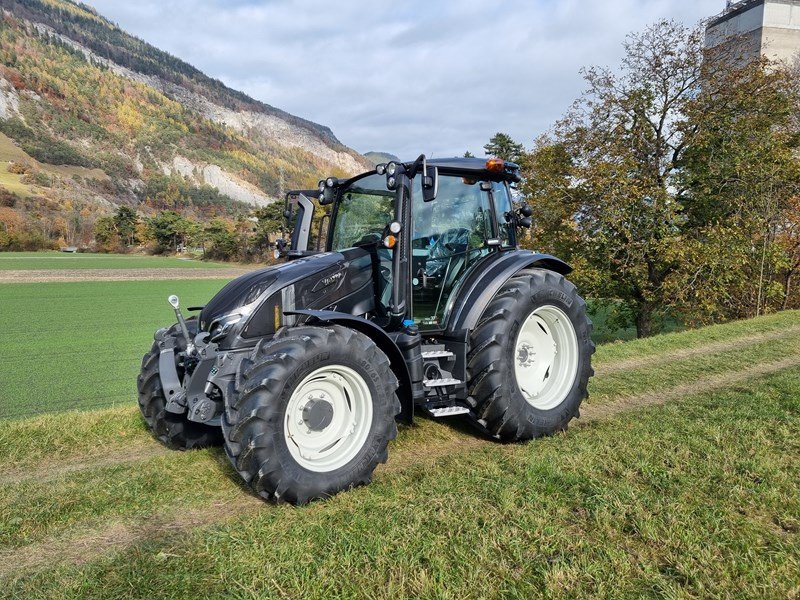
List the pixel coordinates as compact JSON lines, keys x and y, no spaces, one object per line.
{"x":403,"y":77}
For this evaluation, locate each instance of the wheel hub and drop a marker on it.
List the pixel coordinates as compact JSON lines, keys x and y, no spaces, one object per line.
{"x":526,"y":355}
{"x":318,"y":414}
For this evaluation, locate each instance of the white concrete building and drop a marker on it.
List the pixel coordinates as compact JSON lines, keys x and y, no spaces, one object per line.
{"x":768,"y":27}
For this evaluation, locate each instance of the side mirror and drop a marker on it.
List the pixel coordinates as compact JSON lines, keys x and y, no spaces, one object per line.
{"x":430,"y":183}
{"x":280,"y":248}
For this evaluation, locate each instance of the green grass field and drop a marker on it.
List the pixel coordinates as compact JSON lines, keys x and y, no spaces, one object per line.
{"x":682,"y":480}
{"x":60,"y":260}
{"x":79,"y":345}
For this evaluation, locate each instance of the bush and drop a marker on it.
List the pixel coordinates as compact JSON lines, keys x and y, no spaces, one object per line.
{"x":18,"y":168}
{"x":7,"y":198}
{"x":39,"y":178}
{"x":24,"y":242}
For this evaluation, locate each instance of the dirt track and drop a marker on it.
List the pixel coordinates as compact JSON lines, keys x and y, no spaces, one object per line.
{"x":66,"y":275}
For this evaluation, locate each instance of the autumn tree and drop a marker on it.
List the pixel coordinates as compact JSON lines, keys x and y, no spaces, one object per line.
{"x":225,"y":242}
{"x":666,"y":182}
{"x":737,"y":186}
{"x":105,"y":234}
{"x":602,"y":182}
{"x":125,"y":222}
{"x":170,"y":229}
{"x":788,"y":238}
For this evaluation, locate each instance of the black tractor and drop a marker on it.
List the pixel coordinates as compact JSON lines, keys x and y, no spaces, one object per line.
{"x":416,"y":297}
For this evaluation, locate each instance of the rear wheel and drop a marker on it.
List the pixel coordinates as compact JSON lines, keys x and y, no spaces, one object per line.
{"x":530,"y":357}
{"x":172,"y":430}
{"x":312,"y":415}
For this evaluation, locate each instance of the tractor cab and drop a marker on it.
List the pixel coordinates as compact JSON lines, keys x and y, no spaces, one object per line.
{"x":426,"y":225}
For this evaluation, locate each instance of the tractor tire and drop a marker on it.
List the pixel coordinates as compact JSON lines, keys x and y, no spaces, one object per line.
{"x":311,"y":414}
{"x":173,"y":430}
{"x":530,"y":357}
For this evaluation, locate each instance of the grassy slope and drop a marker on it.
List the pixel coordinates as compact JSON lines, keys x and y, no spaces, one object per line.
{"x":9,"y":152}
{"x":700,"y":497}
{"x":97,"y":118}
{"x":60,"y":260}
{"x":79,"y":345}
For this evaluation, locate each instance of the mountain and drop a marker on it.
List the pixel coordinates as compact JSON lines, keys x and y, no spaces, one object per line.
{"x":92,"y":118}
{"x":376,"y":158}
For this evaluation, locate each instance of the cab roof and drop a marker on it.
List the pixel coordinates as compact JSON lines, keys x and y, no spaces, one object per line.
{"x":473,"y":166}
{"x":466,"y":164}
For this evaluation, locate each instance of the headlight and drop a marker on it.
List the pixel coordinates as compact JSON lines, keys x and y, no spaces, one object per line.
{"x":391,"y":168}
{"x":321,"y":186}
{"x":221,"y":326}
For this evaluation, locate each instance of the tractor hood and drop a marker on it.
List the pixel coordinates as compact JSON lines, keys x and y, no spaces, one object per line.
{"x":253,"y":305}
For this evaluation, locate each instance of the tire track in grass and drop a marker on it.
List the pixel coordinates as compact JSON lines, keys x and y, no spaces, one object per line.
{"x":607,"y":410}
{"x":656,"y":360}
{"x":129,"y":455}
{"x":46,"y":471}
{"x":93,"y":544}
{"x":88,"y":546}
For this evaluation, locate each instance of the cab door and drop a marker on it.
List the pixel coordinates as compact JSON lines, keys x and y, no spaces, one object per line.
{"x":450,"y":235}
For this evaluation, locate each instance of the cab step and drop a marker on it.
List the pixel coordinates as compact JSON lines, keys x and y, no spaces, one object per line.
{"x":435,"y":354}
{"x":434,"y":383}
{"x":448,"y":411}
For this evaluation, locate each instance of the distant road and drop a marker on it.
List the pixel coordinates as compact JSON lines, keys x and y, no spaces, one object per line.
{"x":66,"y":275}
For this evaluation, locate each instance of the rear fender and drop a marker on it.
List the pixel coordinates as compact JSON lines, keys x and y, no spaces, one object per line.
{"x":483,"y":284}
{"x":383,"y":341}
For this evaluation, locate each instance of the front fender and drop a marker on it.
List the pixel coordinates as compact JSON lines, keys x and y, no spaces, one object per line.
{"x":383,"y":341}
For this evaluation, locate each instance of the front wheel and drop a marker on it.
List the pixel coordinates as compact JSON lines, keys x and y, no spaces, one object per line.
{"x":530,"y":357}
{"x":313,"y":414}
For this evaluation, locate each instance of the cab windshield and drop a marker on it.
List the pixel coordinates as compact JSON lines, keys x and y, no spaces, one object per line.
{"x":364,"y":210}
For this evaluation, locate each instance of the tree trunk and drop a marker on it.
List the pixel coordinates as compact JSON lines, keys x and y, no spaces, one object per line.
{"x":787,"y":290}
{"x":645,"y":320}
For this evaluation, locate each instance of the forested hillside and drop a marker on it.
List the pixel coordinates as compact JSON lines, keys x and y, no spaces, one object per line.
{"x":92,"y":118}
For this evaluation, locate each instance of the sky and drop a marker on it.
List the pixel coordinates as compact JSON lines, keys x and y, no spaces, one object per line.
{"x":439,"y":77}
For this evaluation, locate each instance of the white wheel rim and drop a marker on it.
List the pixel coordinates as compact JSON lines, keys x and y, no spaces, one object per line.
{"x":328,"y":418}
{"x":546,"y":357}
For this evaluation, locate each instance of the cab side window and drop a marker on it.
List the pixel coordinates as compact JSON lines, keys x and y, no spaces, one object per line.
{"x":504,"y":208}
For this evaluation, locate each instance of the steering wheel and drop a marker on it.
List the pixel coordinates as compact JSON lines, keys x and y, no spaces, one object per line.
{"x":452,"y":241}
{"x":368,"y":239}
